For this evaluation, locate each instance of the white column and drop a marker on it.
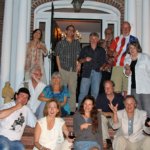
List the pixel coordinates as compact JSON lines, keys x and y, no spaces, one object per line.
{"x":130,"y":14}
{"x":139,"y":20}
{"x":22,"y":39}
{"x":16,"y":6}
{"x":6,"y":43}
{"x":28,"y":20}
{"x":146,"y":27}
{"x":126,"y":10}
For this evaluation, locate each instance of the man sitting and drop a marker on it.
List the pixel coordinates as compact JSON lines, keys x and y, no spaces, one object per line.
{"x":35,"y":87}
{"x":102,"y":104}
{"x":14,"y":116}
{"x":130,"y":123}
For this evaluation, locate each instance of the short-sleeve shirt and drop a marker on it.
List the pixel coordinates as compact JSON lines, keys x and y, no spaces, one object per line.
{"x":48,"y":93}
{"x":102,"y":102}
{"x":13,"y":126}
{"x":68,"y":53}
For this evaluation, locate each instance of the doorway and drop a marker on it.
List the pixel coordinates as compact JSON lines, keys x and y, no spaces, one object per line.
{"x":95,"y":15}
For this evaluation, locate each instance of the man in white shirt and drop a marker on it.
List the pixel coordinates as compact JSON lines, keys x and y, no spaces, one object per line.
{"x":35,"y":86}
{"x":14,"y":116}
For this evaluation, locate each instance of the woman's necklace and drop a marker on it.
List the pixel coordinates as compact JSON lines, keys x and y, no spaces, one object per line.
{"x":134,"y":57}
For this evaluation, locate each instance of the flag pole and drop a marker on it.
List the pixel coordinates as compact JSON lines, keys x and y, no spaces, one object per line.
{"x":50,"y":55}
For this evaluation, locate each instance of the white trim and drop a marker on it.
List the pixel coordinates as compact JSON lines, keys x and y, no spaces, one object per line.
{"x":111,"y":15}
{"x":87,"y":4}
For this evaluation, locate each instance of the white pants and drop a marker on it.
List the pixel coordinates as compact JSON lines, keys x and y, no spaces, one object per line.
{"x":121,"y":143}
{"x":105,"y":125}
{"x":63,"y":146}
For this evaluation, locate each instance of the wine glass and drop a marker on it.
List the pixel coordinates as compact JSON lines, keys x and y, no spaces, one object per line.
{"x":71,"y":135}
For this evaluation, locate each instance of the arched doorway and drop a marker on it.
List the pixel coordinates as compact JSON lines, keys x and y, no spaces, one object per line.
{"x":106,"y":14}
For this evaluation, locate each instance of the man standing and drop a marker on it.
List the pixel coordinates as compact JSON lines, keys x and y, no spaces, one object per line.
{"x":92,"y":57}
{"x":67,"y":52}
{"x":119,"y":47}
{"x":14,"y":116}
{"x":102,"y":104}
{"x":106,"y":68}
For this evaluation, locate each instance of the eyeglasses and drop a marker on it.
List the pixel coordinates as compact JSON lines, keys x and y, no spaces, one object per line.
{"x":108,"y":33}
{"x":70,"y":29}
{"x":38,"y":74}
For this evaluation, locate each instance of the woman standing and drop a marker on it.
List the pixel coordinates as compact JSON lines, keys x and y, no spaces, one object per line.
{"x":58,"y":91}
{"x":35,"y":52}
{"x":87,"y":125}
{"x":137,"y":68}
{"x":50,"y":129}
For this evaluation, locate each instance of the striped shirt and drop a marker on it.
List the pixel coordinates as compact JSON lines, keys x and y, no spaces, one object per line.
{"x":68,"y":53}
{"x":120,"y":45}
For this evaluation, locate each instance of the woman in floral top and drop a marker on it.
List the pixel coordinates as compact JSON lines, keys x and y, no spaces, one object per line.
{"x":35,"y":53}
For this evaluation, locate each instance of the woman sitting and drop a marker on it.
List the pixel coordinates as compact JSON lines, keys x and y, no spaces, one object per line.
{"x":58,"y":91}
{"x":50,"y":129}
{"x":87,"y":125}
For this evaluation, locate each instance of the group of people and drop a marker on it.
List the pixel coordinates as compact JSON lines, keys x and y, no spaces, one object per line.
{"x":114,"y":70}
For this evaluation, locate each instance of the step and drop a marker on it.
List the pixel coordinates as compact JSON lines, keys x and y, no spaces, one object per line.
{"x":28,"y":135}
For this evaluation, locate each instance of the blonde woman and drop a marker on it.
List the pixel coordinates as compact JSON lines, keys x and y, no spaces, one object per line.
{"x":50,"y":130}
{"x":57,"y":91}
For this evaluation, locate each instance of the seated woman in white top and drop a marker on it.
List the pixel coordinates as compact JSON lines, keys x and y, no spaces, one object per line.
{"x":50,"y":130}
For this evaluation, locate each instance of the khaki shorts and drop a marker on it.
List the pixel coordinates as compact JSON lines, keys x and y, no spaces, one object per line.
{"x":120,"y":80}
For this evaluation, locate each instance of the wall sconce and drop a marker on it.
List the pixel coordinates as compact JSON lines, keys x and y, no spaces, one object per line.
{"x":76,"y":36}
{"x":77,"y":5}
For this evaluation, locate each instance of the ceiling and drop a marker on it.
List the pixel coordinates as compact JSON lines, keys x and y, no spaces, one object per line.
{"x":80,"y":25}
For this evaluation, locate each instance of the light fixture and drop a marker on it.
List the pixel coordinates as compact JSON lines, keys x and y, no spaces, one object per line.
{"x":76,"y":36}
{"x":77,"y":5}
